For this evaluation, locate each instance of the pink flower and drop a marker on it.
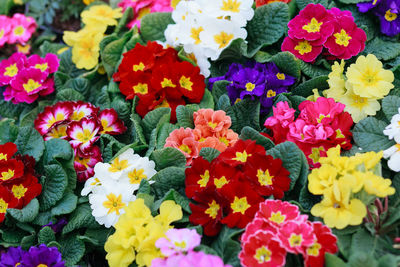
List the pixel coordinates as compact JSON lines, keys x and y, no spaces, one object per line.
{"x":256,"y":224}
{"x":51,"y":116}
{"x":5,"y":28}
{"x":10,"y":67}
{"x":261,"y":249}
{"x":183,"y":139}
{"x":305,"y":50}
{"x":22,"y":28}
{"x":28,"y":85}
{"x":192,"y":259}
{"x":84,"y":163}
{"x":82,"y":110}
{"x":314,"y":23}
{"x":209,"y":121}
{"x":178,"y":241}
{"x":48,"y":65}
{"x":110,"y":122}
{"x":293,"y":236}
{"x":301,"y":131}
{"x":83,"y":134}
{"x":324,"y":110}
{"x":280,"y":121}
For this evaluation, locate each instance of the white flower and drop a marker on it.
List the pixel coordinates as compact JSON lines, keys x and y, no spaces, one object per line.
{"x":239,"y":11}
{"x":114,"y":170}
{"x":109,"y":200}
{"x":393,"y":129}
{"x":91,"y":185}
{"x":143,"y":168}
{"x":393,"y":154}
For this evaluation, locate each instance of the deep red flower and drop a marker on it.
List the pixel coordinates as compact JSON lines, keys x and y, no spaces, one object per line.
{"x":7,"y":201}
{"x":222,"y":174}
{"x":197,"y":177}
{"x":241,"y":152}
{"x":25,"y":190}
{"x":243,"y":203}
{"x":10,"y":171}
{"x":267,"y":176}
{"x":137,"y":85}
{"x":165,"y":78}
{"x":7,"y":151}
{"x":190,"y":82}
{"x":325,"y":242}
{"x":29,"y":164}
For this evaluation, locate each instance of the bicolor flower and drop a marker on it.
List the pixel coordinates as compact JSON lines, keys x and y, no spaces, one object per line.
{"x":82,"y":110}
{"x":293,"y":236}
{"x":83,"y":134}
{"x":110,"y":122}
{"x":53,"y":115}
{"x":84,"y":163}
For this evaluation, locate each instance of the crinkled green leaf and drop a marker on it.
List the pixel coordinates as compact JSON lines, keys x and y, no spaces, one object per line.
{"x":72,"y":250}
{"x":169,"y":178}
{"x":80,"y":218}
{"x":66,"y":205}
{"x":46,"y":235}
{"x":53,"y":187}
{"x":168,"y":157}
{"x":368,"y":135}
{"x":305,"y":89}
{"x":209,"y":153}
{"x":153,"y":25}
{"x":245,"y":113}
{"x":28,"y":213}
{"x":30,"y":142}
{"x":249,"y":133}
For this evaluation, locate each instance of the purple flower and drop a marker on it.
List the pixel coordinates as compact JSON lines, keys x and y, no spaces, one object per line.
{"x":12,"y":257}
{"x":58,"y":226}
{"x":36,"y":256}
{"x":276,"y":78}
{"x":364,"y":7}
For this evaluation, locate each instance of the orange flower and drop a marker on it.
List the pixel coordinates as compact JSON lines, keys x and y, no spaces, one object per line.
{"x":209,"y":121}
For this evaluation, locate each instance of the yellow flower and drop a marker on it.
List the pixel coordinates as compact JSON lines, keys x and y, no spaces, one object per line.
{"x":101,"y":15}
{"x":336,"y":82}
{"x":315,"y":95}
{"x":321,"y":179}
{"x":368,"y":78}
{"x":174,"y":3}
{"x":118,"y":255}
{"x":337,"y":210}
{"x":378,"y":186}
{"x":370,"y":161}
{"x":169,"y":212}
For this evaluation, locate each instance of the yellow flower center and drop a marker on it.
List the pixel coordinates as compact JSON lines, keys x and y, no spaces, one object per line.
{"x":303,"y":47}
{"x":281,"y":76}
{"x":83,"y":161}
{"x":167,"y":83}
{"x":219,"y":183}
{"x":212,"y":124}
{"x":389,"y":16}
{"x":11,"y":70}
{"x":295,"y":240}
{"x":117,"y":165}
{"x":374,"y":3}
{"x":250,"y":87}
{"x":141,"y":88}
{"x":204,"y":179}
{"x":136,"y":176}
{"x":42,"y":265}
{"x":195,"y":34}
{"x":237,"y":100}
{"x":342,"y":38}
{"x":224,"y":140}
{"x":18,"y":31}
{"x":17,"y":264}
{"x":31,"y":85}
{"x":264,"y":178}
{"x":42,"y":67}
{"x":143,"y":12}
{"x":77,"y":116}
{"x":114,"y":203}
{"x":313,"y":26}
{"x":85,"y":136}
{"x":359,"y":101}
{"x":106,"y":127}
{"x":242,"y":156}
{"x":316,"y":153}
{"x":186,"y":83}
{"x":3,"y":206}
{"x":277,"y":217}
{"x":138,"y":67}
{"x":339,"y":134}
{"x":263,"y":254}
{"x":223,"y":39}
{"x":213,"y":209}
{"x":96,"y":181}
{"x":58,"y":132}
{"x":314,"y":250}
{"x":231,"y":5}
{"x":7,"y":175}
{"x":185,"y":149}
{"x":181,"y":244}
{"x":240,"y":205}
{"x":19,"y":191}
{"x":397,"y":146}
{"x":322,"y":116}
{"x":1,"y":33}
{"x":59,"y":117}
{"x":3,"y":156}
{"x":271,"y":93}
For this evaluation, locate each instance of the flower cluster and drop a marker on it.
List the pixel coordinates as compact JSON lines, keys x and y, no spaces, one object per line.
{"x":393,"y":153}
{"x":347,"y":184}
{"x":18,"y":182}
{"x":365,"y":82}
{"x":17,"y":29}
{"x":159,"y":78}
{"x":388,"y":13}
{"x":81,"y":125}
{"x":27,"y":78}
{"x":229,"y":189}
{"x":86,"y":42}
{"x":36,"y":256}
{"x":279,"y":228}
{"x":321,"y":125}
{"x":211,"y":130}
{"x":177,"y":248}
{"x":205,"y":28}
{"x":144,"y":7}
{"x":113,"y":185}
{"x":256,"y":81}
{"x":137,"y":231}
{"x":331,"y":32}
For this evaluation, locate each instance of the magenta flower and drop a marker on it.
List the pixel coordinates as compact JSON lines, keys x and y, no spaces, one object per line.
{"x":178,"y":241}
{"x":10,"y":67}
{"x":5,"y":29}
{"x":83,"y":133}
{"x":48,"y":65}
{"x":22,"y":28}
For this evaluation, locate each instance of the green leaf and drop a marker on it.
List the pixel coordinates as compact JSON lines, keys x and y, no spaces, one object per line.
{"x":368,"y":135}
{"x":333,"y":261}
{"x":69,"y":95}
{"x":391,"y":106}
{"x":128,"y":14}
{"x":184,"y":116}
{"x":207,"y":101}
{"x":28,"y":213}
{"x":172,"y":194}
{"x":169,"y":178}
{"x":245,"y":113}
{"x":218,"y":89}
{"x":249,"y":133}
{"x":6,"y":6}
{"x":362,"y":259}
{"x":9,"y":131}
{"x":30,"y":142}
{"x":305,"y":89}
{"x":267,"y":26}
{"x":66,"y":205}
{"x":168,"y":157}
{"x":152,"y":118}
{"x":227,"y":247}
{"x":209,"y":153}
{"x":72,"y":250}
{"x":288,"y":64}
{"x":153,"y":25}
{"x":112,"y":54}
{"x":362,"y":241}
{"x":383,"y":49}
{"x":387,"y":260}
{"x":80,"y":218}
{"x":163,"y":133}
{"x":138,"y":129}
{"x":46,"y":235}
{"x":352,"y":1}
{"x":53,"y":187}
{"x":313,"y":70}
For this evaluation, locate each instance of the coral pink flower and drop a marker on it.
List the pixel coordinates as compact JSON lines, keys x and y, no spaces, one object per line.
{"x":83,"y":134}
{"x":5,"y":28}
{"x":110,"y":123}
{"x":261,"y":250}
{"x":210,"y":121}
{"x":53,"y":115}
{"x":305,"y":50}
{"x":48,"y":65}
{"x":82,"y":110}
{"x":212,"y":142}
{"x":178,"y":241}
{"x":10,"y":67}
{"x":293,"y":236}
{"x":22,"y":29}
{"x":314,"y":23}
{"x":183,"y":139}
{"x":84,"y":163}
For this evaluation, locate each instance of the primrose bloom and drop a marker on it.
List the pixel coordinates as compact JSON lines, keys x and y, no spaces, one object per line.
{"x":22,"y":28}
{"x":178,"y":241}
{"x":83,"y":134}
